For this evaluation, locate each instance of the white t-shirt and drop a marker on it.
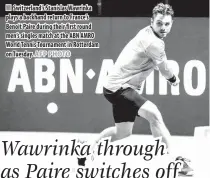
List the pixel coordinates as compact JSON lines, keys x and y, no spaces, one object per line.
{"x":136,"y":61}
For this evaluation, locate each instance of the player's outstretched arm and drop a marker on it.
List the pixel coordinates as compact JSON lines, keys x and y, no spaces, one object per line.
{"x":156,"y":51}
{"x":167,"y":72}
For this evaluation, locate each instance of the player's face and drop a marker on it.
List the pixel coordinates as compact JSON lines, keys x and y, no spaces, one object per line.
{"x":162,"y":24}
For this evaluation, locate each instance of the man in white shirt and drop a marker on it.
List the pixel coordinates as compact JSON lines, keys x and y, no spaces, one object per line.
{"x":144,"y":53}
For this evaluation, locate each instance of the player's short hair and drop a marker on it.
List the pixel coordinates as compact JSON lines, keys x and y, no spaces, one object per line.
{"x":164,"y":9}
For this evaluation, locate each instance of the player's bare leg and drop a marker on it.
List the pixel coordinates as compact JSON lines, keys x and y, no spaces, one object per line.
{"x":150,"y":112}
{"x":117,"y":132}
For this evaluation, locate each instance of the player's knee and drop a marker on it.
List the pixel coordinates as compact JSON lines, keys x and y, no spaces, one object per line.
{"x":155,"y":119}
{"x":154,"y":115}
{"x":114,"y":130}
{"x":128,"y":133}
{"x":121,"y":135}
{"x":123,"y":132}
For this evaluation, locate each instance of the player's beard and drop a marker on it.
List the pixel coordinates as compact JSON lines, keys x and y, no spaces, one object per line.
{"x":162,"y":35}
